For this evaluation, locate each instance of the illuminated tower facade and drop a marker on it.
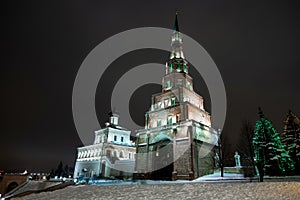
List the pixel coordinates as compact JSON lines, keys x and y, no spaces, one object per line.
{"x":177,"y":141}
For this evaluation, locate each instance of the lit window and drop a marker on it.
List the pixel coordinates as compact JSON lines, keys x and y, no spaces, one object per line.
{"x":170,"y":67}
{"x":160,"y":105}
{"x":178,"y":117}
{"x":178,"y":66}
{"x":170,"y":120}
{"x":188,"y":85}
{"x":168,"y":84}
{"x":184,"y":68}
{"x":176,"y":35}
{"x":173,"y":100}
{"x":115,"y":138}
{"x":158,"y":122}
{"x":167,"y":102}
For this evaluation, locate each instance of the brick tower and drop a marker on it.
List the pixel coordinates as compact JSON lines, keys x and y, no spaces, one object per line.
{"x":178,"y":140}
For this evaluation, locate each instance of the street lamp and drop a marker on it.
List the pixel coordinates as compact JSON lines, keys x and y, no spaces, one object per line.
{"x":220,"y":153}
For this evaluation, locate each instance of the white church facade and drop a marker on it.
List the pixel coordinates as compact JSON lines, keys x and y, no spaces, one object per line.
{"x":111,"y":156}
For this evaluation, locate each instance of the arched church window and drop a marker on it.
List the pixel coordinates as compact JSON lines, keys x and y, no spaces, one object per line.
{"x":121,"y":154}
{"x":108,"y":153}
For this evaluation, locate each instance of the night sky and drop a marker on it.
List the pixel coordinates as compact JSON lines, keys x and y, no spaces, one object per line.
{"x":255,"y":45}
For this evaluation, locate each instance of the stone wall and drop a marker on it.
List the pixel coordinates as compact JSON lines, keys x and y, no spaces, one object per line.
{"x":9,"y":182}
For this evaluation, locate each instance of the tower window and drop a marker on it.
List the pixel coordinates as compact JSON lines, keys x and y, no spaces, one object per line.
{"x":188,"y":85}
{"x":115,"y":138}
{"x":170,"y":120}
{"x":168,"y":84}
{"x":158,"y":122}
{"x":184,"y":68}
{"x":178,"y":117}
{"x":167,"y":102}
{"x":173,"y":100}
{"x":160,"y":105}
{"x":171,"y":67}
{"x":178,"y":66}
{"x":122,"y":139}
{"x":176,"y":35}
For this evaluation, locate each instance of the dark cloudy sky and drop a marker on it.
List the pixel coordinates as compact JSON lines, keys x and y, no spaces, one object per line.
{"x":255,"y":45}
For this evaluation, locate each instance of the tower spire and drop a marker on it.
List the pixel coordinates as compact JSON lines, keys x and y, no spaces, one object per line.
{"x":177,"y":65}
{"x":176,"y":27}
{"x":176,"y":44}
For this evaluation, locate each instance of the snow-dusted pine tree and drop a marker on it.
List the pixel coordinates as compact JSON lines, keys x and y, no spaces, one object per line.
{"x":291,"y":138}
{"x":270,"y":154}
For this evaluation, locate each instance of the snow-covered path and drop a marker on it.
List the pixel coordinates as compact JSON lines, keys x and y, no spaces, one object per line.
{"x":265,"y":190}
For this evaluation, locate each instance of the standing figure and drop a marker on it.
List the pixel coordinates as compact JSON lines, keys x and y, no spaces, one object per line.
{"x":237,"y":159}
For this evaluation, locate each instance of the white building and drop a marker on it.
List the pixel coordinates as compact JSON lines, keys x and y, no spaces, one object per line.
{"x":111,"y":155}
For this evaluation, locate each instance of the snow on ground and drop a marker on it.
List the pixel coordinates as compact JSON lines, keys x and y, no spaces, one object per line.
{"x":218,"y":174}
{"x":192,"y":190}
{"x":32,"y":186}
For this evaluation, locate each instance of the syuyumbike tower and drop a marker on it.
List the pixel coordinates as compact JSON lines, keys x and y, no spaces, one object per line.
{"x":178,"y":141}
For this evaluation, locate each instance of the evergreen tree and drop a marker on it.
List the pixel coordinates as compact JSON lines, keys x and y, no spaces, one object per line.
{"x":52,"y":173}
{"x":291,"y":138}
{"x":66,"y":172}
{"x":59,"y":169}
{"x":270,"y":153}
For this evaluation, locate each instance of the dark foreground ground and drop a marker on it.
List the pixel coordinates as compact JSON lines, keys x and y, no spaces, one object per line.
{"x":254,"y":190}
